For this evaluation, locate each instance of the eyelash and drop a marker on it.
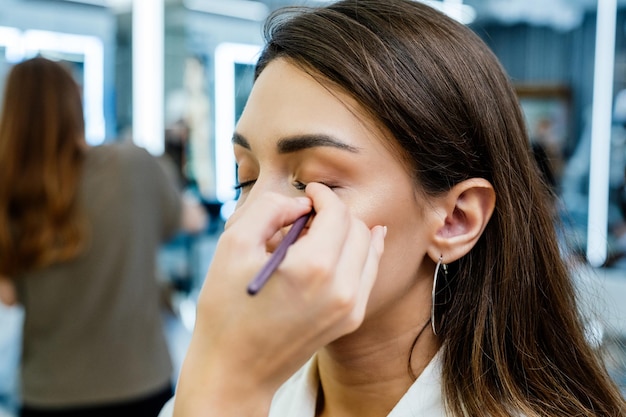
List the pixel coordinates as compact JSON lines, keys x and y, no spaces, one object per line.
{"x":243,"y":185}
{"x":300,"y":186}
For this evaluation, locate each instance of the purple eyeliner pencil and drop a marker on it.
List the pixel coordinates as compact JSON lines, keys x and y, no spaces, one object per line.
{"x":279,"y":254}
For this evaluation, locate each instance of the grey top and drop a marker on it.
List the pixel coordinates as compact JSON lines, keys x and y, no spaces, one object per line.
{"x":93,"y":331}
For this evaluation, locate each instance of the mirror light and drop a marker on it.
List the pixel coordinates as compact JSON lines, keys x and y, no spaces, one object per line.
{"x":22,"y":45}
{"x":148,"y":38}
{"x":226,"y":56}
{"x":597,"y":221}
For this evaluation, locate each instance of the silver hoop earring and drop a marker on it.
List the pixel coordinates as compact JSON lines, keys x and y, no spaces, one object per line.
{"x":443,"y":266}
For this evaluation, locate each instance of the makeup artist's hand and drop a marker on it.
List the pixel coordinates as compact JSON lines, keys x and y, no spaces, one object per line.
{"x":243,"y":348}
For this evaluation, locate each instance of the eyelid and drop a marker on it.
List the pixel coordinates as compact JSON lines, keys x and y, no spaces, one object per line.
{"x":299,"y":185}
{"x":244,"y":184}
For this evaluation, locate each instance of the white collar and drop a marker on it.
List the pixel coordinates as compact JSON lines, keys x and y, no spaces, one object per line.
{"x":297,"y":396}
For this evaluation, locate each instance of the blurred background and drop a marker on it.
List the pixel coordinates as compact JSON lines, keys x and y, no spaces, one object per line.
{"x":173,"y":76}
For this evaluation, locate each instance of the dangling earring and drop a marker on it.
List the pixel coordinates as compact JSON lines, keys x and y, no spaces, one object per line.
{"x":440,"y":264}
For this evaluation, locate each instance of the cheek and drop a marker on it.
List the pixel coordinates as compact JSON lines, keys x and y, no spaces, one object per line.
{"x":396,"y":209}
{"x":404,"y":251}
{"x":399,"y":281}
{"x":405,"y":244}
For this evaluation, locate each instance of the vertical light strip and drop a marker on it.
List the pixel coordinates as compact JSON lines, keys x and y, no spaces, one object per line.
{"x":226,"y":56}
{"x":11,"y":39}
{"x":597,"y":222}
{"x":148,"y":124}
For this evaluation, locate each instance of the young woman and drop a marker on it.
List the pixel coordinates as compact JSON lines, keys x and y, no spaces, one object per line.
{"x":79,"y":231}
{"x":400,"y":128}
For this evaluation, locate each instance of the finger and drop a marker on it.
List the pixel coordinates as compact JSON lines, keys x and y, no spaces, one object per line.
{"x":370,"y":271}
{"x":329,"y":227}
{"x":351,"y":285}
{"x":265,"y":199}
{"x":354,"y":279}
{"x":259,"y":221}
{"x":354,"y":254}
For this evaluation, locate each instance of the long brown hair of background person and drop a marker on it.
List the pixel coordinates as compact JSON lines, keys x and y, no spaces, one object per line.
{"x":41,"y":156}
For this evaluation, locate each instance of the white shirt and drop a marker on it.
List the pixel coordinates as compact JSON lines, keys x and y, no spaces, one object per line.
{"x":297,"y":396}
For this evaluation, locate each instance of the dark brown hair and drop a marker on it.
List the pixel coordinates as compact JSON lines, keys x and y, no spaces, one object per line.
{"x":41,"y":156}
{"x":513,"y":338}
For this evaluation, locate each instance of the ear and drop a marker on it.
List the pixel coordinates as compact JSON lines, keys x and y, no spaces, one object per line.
{"x":468,"y":206}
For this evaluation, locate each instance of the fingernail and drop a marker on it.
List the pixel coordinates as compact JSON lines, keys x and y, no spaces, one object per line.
{"x":305,"y":201}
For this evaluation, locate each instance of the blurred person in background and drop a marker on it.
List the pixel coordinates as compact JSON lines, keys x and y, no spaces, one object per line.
{"x":80,"y":227}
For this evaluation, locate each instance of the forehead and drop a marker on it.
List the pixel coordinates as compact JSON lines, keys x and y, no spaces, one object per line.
{"x":286,"y":100}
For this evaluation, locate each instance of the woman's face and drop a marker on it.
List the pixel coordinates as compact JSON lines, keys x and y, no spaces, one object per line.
{"x":294,"y":130}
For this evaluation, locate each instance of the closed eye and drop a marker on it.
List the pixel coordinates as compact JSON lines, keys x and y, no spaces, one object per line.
{"x":244,"y":185}
{"x":300,"y":186}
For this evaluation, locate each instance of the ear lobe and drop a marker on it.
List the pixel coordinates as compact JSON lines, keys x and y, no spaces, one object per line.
{"x":468,"y":207}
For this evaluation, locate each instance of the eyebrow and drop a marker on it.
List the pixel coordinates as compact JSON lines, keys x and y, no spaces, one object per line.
{"x":300,"y":142}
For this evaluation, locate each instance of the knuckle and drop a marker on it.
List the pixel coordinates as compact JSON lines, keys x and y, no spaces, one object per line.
{"x":235,"y":241}
{"x":353,"y":321}
{"x":318,"y":270}
{"x":344,"y":301}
